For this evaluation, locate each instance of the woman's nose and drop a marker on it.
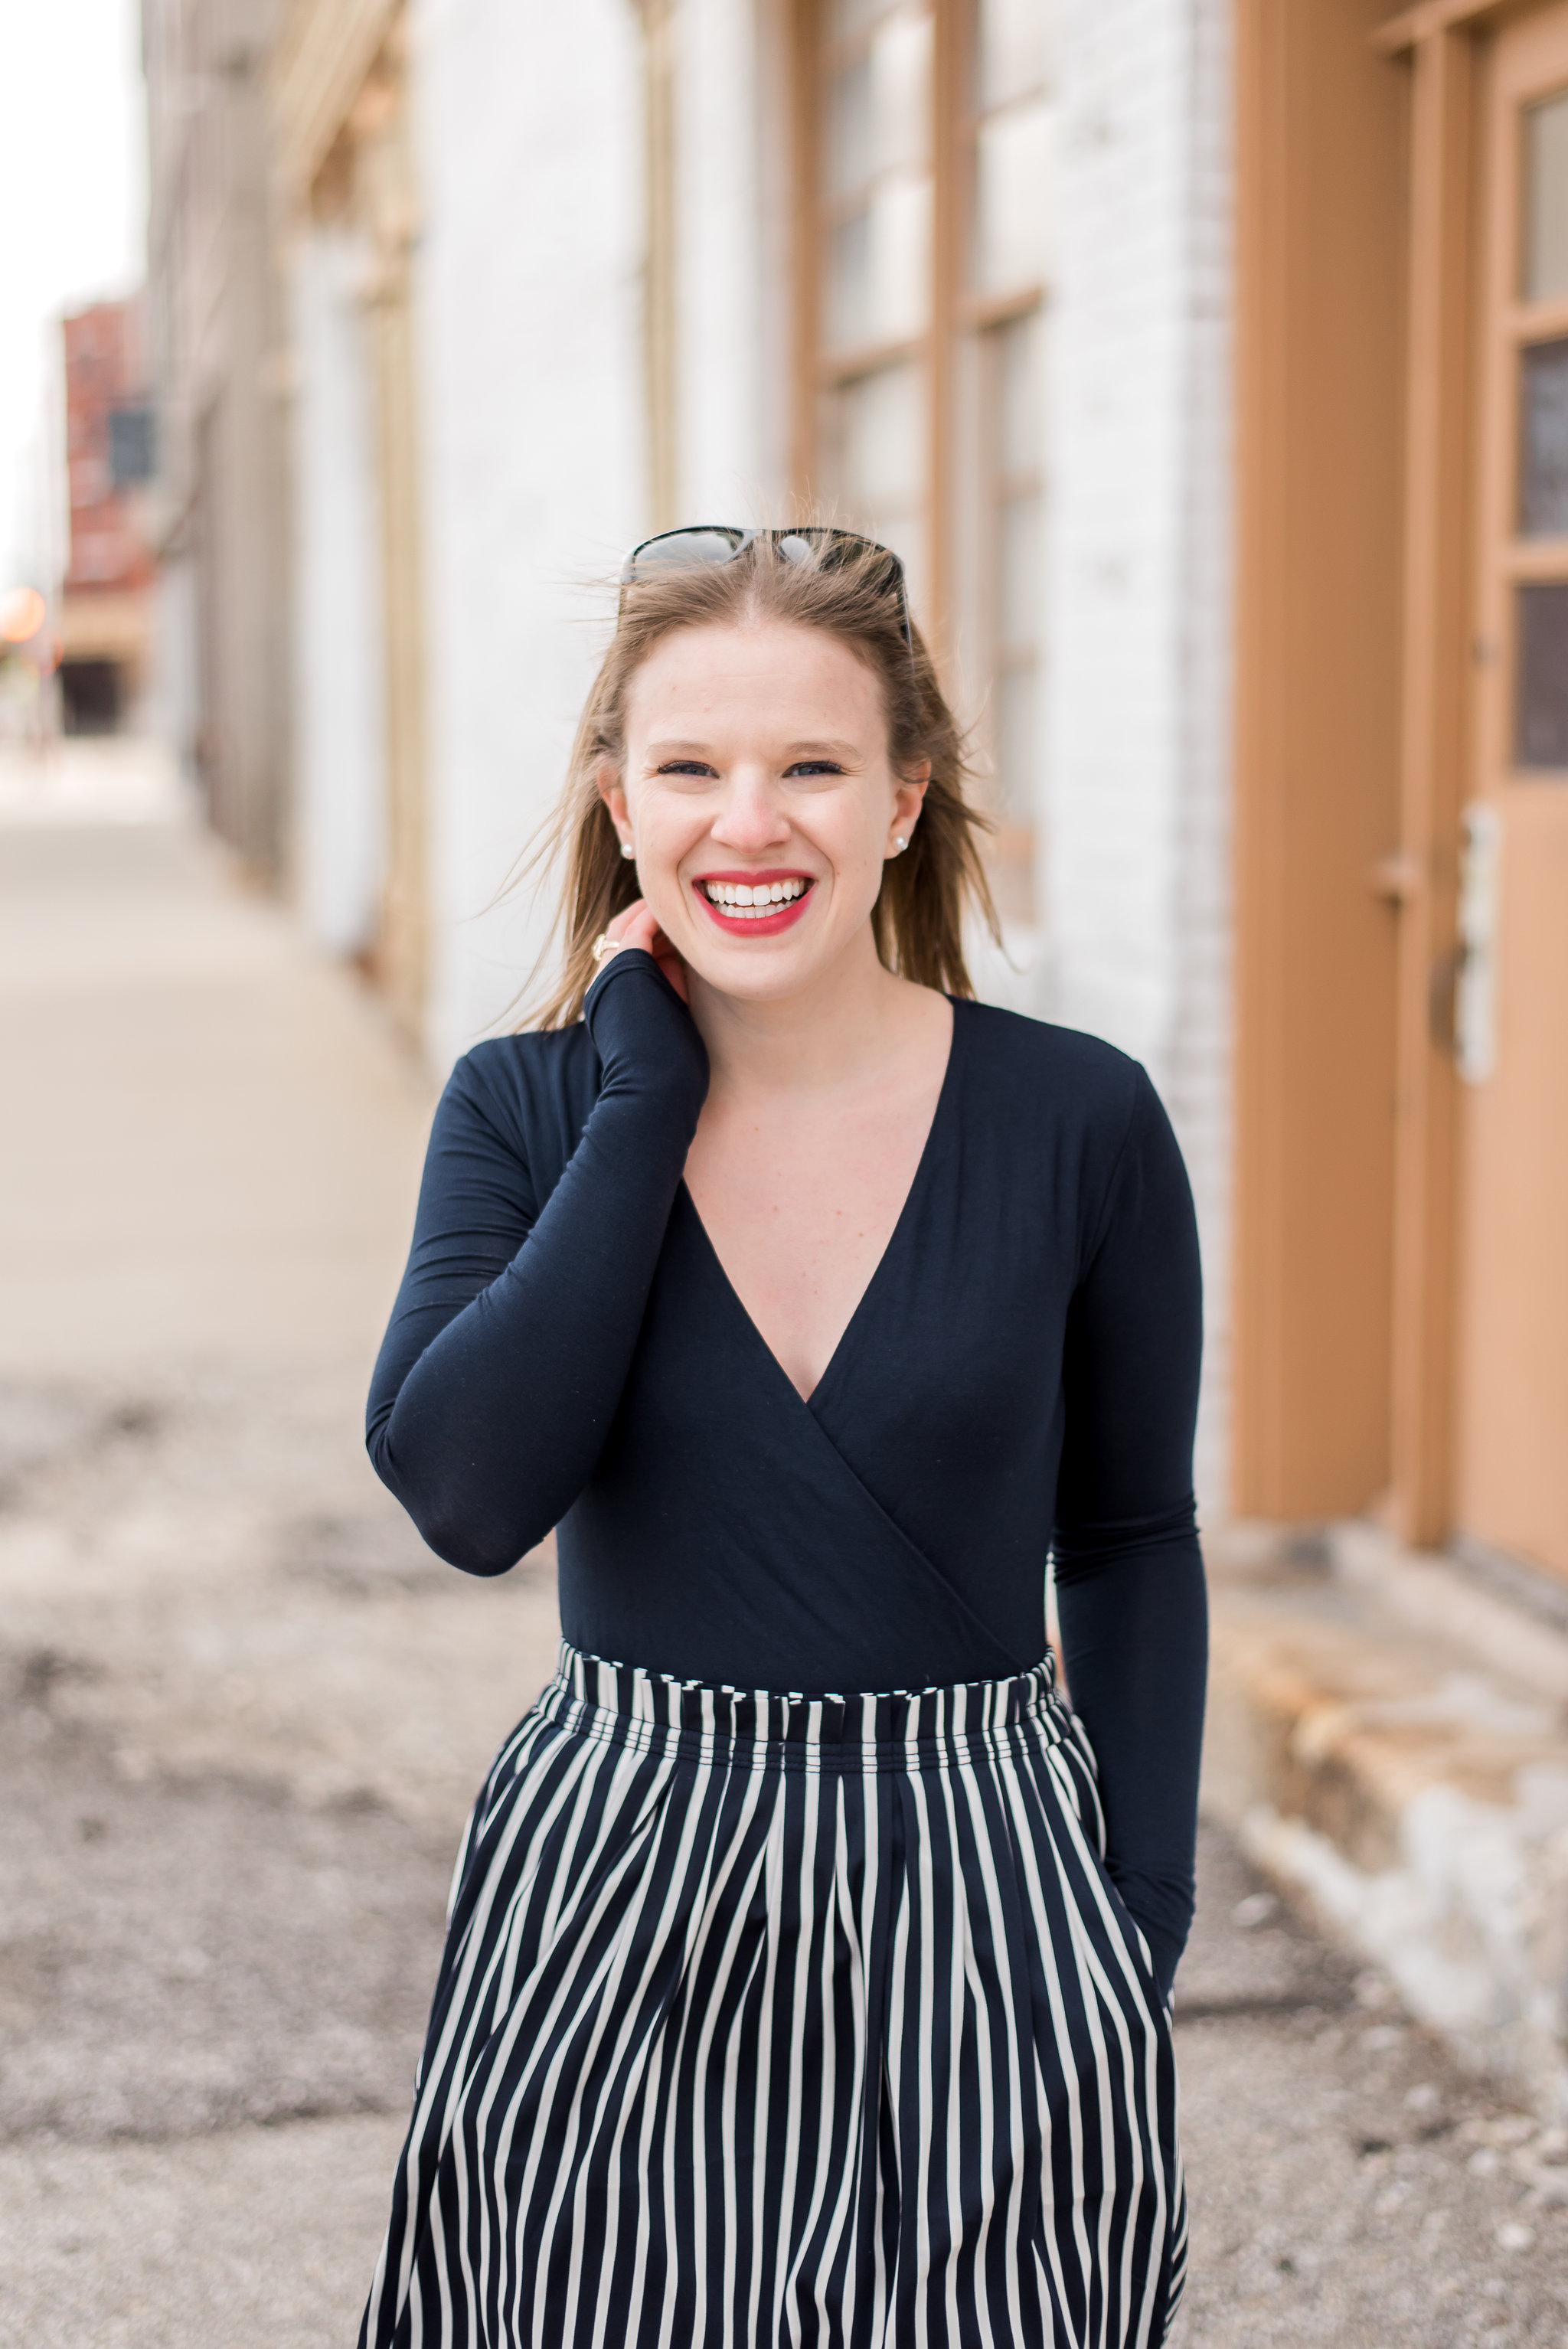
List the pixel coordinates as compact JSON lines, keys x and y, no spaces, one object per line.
{"x":750,"y":818}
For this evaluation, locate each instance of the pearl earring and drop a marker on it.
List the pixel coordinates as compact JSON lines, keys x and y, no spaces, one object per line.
{"x":627,"y":851}
{"x":900,"y":843}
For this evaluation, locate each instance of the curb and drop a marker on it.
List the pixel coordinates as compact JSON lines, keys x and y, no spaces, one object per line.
{"x":1389,"y":1741}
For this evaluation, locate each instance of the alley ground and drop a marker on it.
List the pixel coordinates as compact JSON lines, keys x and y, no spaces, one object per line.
{"x":244,"y":1710}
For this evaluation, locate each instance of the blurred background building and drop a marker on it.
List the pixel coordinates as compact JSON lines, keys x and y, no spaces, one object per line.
{"x":1206,"y":360}
{"x":105,"y":592}
{"x":962,"y":271}
{"x":220,"y":352}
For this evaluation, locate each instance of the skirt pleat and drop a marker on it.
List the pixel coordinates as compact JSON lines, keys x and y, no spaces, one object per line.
{"x":780,"y":2023}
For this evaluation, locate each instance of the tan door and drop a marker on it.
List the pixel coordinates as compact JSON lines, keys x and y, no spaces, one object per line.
{"x":1512,"y":1004}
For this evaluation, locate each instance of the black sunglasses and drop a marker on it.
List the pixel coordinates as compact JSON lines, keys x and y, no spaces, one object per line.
{"x":717,"y":543}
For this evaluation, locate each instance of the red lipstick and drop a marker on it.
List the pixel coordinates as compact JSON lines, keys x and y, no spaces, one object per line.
{"x":738,"y":923}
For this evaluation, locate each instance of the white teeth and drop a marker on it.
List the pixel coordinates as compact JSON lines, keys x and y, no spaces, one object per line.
{"x":747,"y":901}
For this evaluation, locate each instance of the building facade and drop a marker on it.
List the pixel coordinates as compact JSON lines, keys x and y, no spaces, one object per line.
{"x":105,"y":592}
{"x":219,"y":357}
{"x":1204,"y":360}
{"x":962,"y":271}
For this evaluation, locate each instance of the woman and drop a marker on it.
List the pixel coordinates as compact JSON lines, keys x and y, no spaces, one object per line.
{"x":806,"y":1975}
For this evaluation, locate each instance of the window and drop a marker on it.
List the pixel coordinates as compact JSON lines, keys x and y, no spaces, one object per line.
{"x":1539,"y":554}
{"x":925,"y":154}
{"x":130,"y":444}
{"x":873,"y":329}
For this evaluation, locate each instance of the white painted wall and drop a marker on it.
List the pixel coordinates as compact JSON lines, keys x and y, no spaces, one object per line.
{"x":529,"y":322}
{"x":340,"y":802}
{"x":1135,"y":854}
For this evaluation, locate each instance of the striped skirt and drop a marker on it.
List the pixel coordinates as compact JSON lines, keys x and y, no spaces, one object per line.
{"x":770,"y":2020}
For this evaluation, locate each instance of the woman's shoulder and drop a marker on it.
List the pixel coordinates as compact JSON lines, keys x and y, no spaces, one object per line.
{"x":1061,"y":1069}
{"x":1067,"y":1110}
{"x":536,"y":1089}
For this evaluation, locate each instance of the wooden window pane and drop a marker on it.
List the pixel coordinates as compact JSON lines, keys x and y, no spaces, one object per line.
{"x":900,"y":59}
{"x":879,"y":186}
{"x":1546,"y":200}
{"x":1541,"y":722}
{"x":1013,"y":43}
{"x":1013,"y":199}
{"x":879,"y":269}
{"x":1014,"y":433}
{"x":851,"y":122}
{"x":844,"y":18}
{"x":1018,"y":579}
{"x":1543,"y":439}
{"x":877,"y":452}
{"x":1019,"y":420}
{"x":850,"y":281}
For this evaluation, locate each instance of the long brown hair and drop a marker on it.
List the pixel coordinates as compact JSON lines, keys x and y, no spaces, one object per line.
{"x":918,"y":918}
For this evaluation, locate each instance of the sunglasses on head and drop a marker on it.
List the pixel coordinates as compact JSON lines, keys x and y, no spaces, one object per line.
{"x":717,"y":543}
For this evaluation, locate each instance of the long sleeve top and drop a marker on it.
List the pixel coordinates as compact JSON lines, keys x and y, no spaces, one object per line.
{"x":1018,"y":1379}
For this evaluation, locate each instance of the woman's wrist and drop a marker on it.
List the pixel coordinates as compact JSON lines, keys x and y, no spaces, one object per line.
{"x":640,"y":1029}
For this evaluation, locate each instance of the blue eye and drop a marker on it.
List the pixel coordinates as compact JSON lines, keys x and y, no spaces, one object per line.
{"x":814,"y":767}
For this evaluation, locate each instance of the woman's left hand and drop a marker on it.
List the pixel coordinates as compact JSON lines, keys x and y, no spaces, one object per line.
{"x":638,"y":926}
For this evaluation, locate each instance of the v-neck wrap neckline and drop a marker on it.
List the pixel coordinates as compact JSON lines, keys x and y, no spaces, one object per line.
{"x":865,"y":1304}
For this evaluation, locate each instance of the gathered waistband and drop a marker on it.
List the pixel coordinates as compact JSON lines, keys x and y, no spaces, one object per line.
{"x":626,"y":1704}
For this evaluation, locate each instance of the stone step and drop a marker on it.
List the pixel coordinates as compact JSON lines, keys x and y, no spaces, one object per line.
{"x":1388,"y":1740}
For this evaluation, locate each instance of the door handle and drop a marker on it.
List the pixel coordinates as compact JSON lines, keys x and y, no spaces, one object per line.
{"x":1475,"y":959}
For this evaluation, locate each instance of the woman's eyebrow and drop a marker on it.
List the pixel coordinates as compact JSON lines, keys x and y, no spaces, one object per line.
{"x":677,"y":748}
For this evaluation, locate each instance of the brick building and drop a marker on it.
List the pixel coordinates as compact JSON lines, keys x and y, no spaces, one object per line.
{"x":104,"y":600}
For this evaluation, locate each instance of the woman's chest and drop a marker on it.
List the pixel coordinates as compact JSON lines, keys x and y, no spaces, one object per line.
{"x":948,"y":1375}
{"x":799,"y":1213}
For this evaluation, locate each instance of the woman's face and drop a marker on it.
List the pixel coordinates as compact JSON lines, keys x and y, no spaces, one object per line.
{"x":757,"y":760}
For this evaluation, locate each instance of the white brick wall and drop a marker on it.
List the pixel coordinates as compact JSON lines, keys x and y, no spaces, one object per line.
{"x":530,"y":294}
{"x":340,"y":796}
{"x":1135,"y":853}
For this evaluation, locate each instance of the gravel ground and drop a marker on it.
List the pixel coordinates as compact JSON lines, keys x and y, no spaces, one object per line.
{"x":1349,"y":2184}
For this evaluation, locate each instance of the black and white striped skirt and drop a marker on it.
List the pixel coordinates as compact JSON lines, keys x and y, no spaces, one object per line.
{"x":770,"y":2020}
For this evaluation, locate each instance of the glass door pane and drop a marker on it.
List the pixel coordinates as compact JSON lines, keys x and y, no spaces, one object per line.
{"x":1543,"y":441}
{"x":1545,"y":271}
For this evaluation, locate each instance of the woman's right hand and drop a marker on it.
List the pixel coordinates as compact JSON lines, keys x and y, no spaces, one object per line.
{"x":635,"y":1031}
{"x":638,"y":926}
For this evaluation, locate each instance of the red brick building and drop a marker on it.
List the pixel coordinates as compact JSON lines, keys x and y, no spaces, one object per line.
{"x":109,"y":459}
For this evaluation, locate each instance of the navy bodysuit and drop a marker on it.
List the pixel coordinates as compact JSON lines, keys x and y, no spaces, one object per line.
{"x":1020,"y":1377}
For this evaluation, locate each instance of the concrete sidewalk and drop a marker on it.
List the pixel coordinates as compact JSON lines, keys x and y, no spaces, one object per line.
{"x":245,"y":1710}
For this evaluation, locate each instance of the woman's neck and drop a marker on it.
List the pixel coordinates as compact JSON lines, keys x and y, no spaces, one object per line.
{"x":821,"y":1037}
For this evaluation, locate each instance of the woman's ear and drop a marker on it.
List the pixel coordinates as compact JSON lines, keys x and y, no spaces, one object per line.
{"x":907,"y":797}
{"x":615,"y":798}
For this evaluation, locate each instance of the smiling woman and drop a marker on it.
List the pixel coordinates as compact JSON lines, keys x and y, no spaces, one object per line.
{"x":849,"y":595}
{"x":808,"y":1959}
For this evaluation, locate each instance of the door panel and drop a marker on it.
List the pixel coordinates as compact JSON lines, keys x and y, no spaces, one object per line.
{"x":1513,"y":1463}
